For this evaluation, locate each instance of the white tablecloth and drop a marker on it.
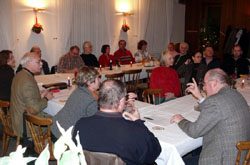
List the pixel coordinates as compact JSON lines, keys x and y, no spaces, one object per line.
{"x":174,"y":142}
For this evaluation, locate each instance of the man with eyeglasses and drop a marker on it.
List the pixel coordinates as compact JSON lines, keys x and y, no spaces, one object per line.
{"x":70,"y":62}
{"x":223,"y":121}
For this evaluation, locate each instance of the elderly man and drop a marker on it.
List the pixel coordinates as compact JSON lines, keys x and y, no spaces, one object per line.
{"x":223,"y":120}
{"x":107,"y":131}
{"x":236,"y":64}
{"x":45,"y":66}
{"x":25,"y":94}
{"x":182,"y":57}
{"x":70,"y":62}
{"x":88,"y":58}
{"x":209,"y":60}
{"x":123,"y":55}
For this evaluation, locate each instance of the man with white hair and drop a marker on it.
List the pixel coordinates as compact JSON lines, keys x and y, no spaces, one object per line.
{"x":25,"y":94}
{"x":223,"y":121}
{"x":183,"y":56}
{"x":45,"y":66}
{"x":88,"y":58}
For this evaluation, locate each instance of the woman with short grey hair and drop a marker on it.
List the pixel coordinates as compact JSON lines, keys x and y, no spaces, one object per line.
{"x":82,"y":102}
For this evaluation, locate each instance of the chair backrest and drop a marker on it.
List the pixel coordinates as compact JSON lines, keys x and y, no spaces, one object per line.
{"x":116,"y":76}
{"x":149,"y":71}
{"x":149,"y":96}
{"x":133,"y":77}
{"x":241,"y":146}
{"x":5,"y":118}
{"x":40,"y":131}
{"x":100,"y":158}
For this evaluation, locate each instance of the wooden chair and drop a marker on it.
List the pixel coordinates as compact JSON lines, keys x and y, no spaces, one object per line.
{"x":7,"y":126}
{"x":243,"y":145}
{"x":100,"y":158}
{"x":40,"y":137}
{"x":146,"y":85}
{"x":149,"y":95}
{"x":117,"y":76}
{"x":133,"y":77}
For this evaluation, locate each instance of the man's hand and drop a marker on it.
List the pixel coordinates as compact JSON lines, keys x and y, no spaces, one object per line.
{"x":49,"y":95}
{"x":176,"y":119}
{"x":135,"y":115}
{"x":131,"y":96}
{"x":43,"y":92}
{"x":193,"y":88}
{"x":187,"y":61}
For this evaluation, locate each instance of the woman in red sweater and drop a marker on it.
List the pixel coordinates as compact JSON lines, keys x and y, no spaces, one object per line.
{"x":104,"y":59}
{"x":166,"y":78}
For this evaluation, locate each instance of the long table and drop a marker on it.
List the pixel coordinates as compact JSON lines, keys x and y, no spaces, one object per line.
{"x":174,"y":142}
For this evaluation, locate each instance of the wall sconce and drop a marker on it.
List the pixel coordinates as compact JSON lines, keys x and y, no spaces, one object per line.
{"x":37,"y":28}
{"x":125,"y":26}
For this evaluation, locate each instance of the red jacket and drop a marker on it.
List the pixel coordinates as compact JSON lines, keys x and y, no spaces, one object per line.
{"x":124,"y":57}
{"x":105,"y":61}
{"x":167,"y":79}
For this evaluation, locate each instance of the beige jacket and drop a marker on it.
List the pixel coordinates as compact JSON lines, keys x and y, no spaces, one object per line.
{"x":25,"y":95}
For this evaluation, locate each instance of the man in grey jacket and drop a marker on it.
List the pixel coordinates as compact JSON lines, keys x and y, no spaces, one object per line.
{"x":223,"y":121}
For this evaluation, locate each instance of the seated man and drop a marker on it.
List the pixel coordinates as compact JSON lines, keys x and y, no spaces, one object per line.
{"x":70,"y":62}
{"x":123,"y":55}
{"x":209,"y":60}
{"x":236,"y":64}
{"x":45,"y":66}
{"x":223,"y":120}
{"x":183,"y":56}
{"x":107,"y":131}
{"x":25,"y":94}
{"x":88,"y":58}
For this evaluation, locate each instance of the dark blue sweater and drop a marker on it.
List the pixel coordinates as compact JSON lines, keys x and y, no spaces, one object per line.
{"x":111,"y":133}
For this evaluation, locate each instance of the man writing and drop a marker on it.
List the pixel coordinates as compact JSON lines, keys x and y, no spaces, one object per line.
{"x":223,"y":120}
{"x":25,"y":94}
{"x":107,"y":131}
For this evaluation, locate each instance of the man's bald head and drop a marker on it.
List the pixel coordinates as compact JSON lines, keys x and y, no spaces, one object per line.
{"x":219,"y":75}
{"x":37,"y":50}
{"x":111,"y":92}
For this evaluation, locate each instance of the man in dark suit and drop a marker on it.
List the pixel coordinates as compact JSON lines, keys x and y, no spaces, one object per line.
{"x":223,"y":120}
{"x":209,"y":59}
{"x":45,"y":66}
{"x":236,"y":64}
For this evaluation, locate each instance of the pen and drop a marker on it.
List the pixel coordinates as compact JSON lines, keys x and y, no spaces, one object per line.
{"x":148,"y":118}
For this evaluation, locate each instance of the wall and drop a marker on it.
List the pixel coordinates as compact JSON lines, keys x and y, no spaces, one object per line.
{"x":179,"y":22}
{"x":48,"y":39}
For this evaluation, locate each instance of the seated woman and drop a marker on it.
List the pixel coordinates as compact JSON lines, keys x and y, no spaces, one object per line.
{"x":104,"y":59}
{"x":81,"y":103}
{"x":166,"y":78}
{"x":194,"y":69}
{"x":7,"y":65}
{"x":142,"y":53}
{"x":171,"y":49}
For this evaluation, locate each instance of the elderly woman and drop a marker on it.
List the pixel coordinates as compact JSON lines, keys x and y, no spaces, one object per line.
{"x":142,"y":53}
{"x":104,"y":59}
{"x":81,"y":103}
{"x":7,"y":64}
{"x":194,"y":69}
{"x":165,"y":78}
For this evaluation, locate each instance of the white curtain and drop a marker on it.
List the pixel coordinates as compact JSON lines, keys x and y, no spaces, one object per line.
{"x":64,"y":9}
{"x":90,"y":24}
{"x":7,"y":25}
{"x":159,"y":26}
{"x":143,"y":14}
